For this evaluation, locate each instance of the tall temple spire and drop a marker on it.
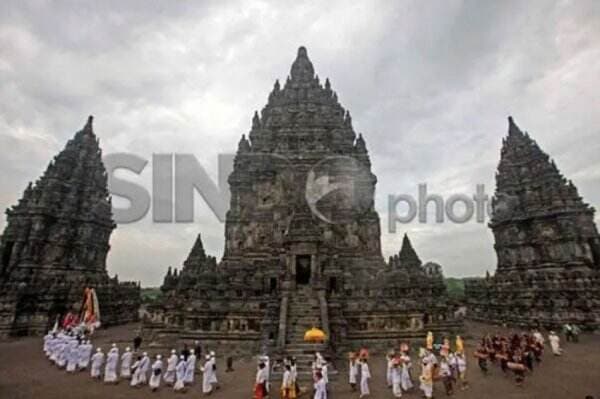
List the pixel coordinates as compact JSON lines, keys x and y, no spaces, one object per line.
{"x":408,"y":256}
{"x":56,"y":240}
{"x":545,"y":237}
{"x":197,"y":251}
{"x":528,"y":181}
{"x":512,"y":127}
{"x":302,"y":107}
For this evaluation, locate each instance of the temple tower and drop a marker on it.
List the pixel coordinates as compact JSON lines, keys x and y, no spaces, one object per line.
{"x":56,"y":241}
{"x":302,"y":239}
{"x":546,"y":242}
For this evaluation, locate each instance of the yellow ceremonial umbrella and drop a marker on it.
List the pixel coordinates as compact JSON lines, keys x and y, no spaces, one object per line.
{"x":315,"y":335}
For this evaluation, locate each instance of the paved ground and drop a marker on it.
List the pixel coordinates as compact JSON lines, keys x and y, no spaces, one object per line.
{"x":26,"y":374}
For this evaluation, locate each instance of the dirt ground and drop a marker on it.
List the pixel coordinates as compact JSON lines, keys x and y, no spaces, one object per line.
{"x":26,"y":374}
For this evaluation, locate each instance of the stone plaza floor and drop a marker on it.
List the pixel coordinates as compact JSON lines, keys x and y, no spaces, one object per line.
{"x":26,"y":374}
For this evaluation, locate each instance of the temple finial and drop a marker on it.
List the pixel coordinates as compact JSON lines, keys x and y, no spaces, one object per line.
{"x":243,"y":145}
{"x":512,"y":126}
{"x":302,"y":68}
{"x":88,"y":124}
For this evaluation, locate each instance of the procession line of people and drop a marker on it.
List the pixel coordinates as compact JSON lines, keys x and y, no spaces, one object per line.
{"x":70,"y":351}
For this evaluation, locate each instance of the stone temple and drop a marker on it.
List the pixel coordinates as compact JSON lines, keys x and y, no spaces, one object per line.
{"x":302,"y":244}
{"x":55,"y":245}
{"x":547,"y":245}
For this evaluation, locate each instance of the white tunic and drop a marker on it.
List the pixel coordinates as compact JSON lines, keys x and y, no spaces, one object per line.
{"x":85,"y":352}
{"x":287,"y":381}
{"x":207,"y":372}
{"x":144,"y":367}
{"x":190,"y":369}
{"x":135,"y":378}
{"x":126,"y":364}
{"x":169,"y":375}
{"x":180,"y":371}
{"x":353,"y":372}
{"x":406,"y":382}
{"x":213,"y":375}
{"x":388,"y":374}
{"x":61,"y":348}
{"x":110,"y":371}
{"x":320,"y":390}
{"x":156,"y":374}
{"x":325,"y":374}
{"x":97,"y":361}
{"x":365,"y":374}
{"x":73,"y":357}
{"x":47,"y":338}
{"x":397,"y":381}
{"x":555,"y":344}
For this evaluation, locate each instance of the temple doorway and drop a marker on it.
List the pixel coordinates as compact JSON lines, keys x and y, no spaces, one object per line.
{"x":302,"y":269}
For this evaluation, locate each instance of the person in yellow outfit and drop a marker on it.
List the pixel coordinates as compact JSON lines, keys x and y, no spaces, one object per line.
{"x":288,"y":385}
{"x":429,"y":341}
{"x":460,"y":345}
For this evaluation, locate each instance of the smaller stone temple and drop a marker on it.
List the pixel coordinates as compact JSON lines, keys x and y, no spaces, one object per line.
{"x":547,"y":245}
{"x":55,"y":245}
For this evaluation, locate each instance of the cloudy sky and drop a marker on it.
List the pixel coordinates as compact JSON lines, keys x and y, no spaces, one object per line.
{"x":429,"y":84}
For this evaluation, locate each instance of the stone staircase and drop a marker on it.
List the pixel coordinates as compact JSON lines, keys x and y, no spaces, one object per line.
{"x":303,"y":313}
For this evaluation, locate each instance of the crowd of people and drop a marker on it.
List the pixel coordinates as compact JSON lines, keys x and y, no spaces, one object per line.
{"x":517,"y":354}
{"x":71,"y":349}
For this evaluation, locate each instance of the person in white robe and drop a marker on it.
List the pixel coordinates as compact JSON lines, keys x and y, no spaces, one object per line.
{"x":180,"y":375}
{"x":555,"y":343}
{"x":352,"y":373}
{"x":365,"y":374}
{"x":85,"y":353}
{"x":287,"y":383}
{"x":144,"y":367}
{"x":389,"y":368}
{"x":294,"y":369}
{"x":406,"y":381}
{"x":112,"y":360}
{"x":539,"y":338}
{"x":126,"y":359}
{"x":319,"y":359}
{"x":97,"y":361}
{"x":73,"y":357}
{"x":47,"y":338}
{"x":320,"y":387}
{"x":213,"y":376}
{"x":461,"y":364}
{"x":169,"y":375}
{"x":54,"y":349}
{"x":190,"y":368}
{"x":427,"y":379}
{"x":267,"y":362}
{"x":61,"y":357}
{"x":325,"y":372}
{"x":156,"y":373}
{"x":51,"y":345}
{"x":397,"y":379}
{"x":207,"y":371}
{"x":136,"y":371}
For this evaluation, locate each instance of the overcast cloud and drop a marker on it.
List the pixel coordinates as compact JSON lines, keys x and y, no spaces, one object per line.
{"x":429,"y":84}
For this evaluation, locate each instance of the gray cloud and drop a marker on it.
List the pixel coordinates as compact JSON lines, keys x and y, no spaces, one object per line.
{"x":429,"y":86}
